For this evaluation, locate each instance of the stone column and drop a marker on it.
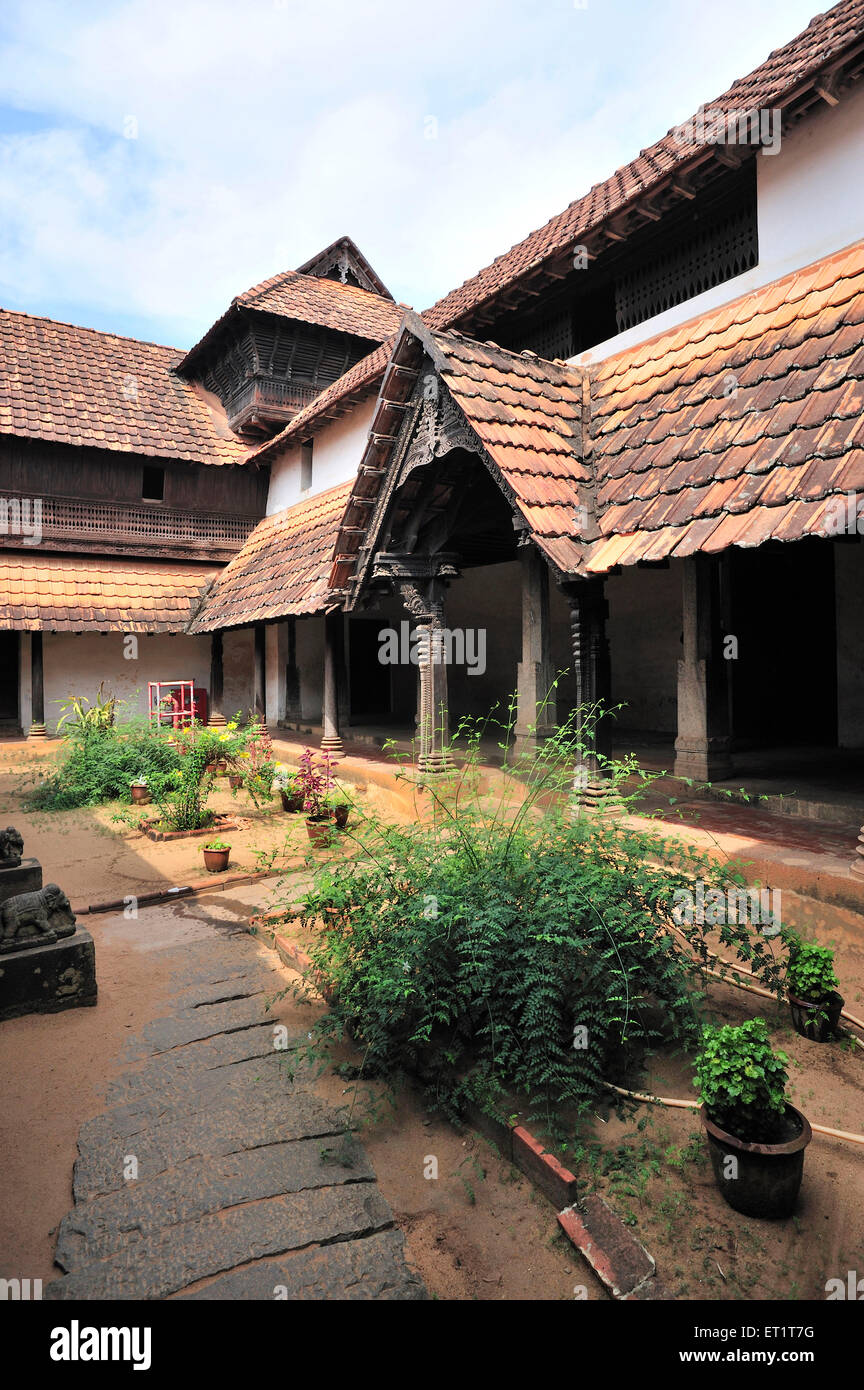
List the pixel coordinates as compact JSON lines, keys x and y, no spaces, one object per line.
{"x":536,"y":712}
{"x":434,"y":716}
{"x":592,"y":669}
{"x":37,"y":688}
{"x":216,"y":716}
{"x":260,"y":688}
{"x":702,"y":748}
{"x":333,"y":633}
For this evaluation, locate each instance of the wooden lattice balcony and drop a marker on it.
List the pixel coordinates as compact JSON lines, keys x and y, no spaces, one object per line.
{"x":142,"y":528}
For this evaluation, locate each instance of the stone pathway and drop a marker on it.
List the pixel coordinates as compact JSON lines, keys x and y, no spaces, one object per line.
{"x":247,"y":1187}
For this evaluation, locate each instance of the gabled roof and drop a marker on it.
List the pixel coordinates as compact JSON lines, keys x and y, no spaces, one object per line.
{"x":281,"y":570}
{"x":312,"y":298}
{"x":71,"y":593}
{"x":787,"y":77}
{"x":737,"y":427}
{"x":345,"y":253}
{"x":526,"y":414}
{"x":78,"y":386}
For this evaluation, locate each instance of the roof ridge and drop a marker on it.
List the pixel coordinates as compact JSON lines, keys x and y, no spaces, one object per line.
{"x":84,"y":328}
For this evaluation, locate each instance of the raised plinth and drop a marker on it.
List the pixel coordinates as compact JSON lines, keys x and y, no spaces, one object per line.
{"x":46,"y":979}
{"x":26,"y":877}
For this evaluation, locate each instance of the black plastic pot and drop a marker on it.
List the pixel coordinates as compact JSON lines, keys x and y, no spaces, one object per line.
{"x":765,"y":1179}
{"x":818,"y":1022}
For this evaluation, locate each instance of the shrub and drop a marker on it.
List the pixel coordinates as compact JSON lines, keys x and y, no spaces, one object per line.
{"x":810,"y":971}
{"x":742,"y":1081}
{"x":512,"y":941}
{"x":100,"y":765}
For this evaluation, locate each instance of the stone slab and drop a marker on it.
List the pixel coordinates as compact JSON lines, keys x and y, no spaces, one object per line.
{"x":104,"y":1225}
{"x":225,"y":1129}
{"x":372,"y":1268}
{"x":170,"y":1260}
{"x":46,"y":979}
{"x":25,"y":878}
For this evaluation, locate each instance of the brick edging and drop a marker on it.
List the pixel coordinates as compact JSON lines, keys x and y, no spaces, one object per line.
{"x":186,"y":890}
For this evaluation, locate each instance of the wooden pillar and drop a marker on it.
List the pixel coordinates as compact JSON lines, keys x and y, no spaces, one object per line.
{"x":536,"y":712}
{"x":592,"y":669}
{"x":37,"y":688}
{"x":434,"y":715}
{"x":702,"y":748}
{"x":293,"y":709}
{"x":333,"y":646}
{"x":260,"y":695}
{"x":216,"y":718}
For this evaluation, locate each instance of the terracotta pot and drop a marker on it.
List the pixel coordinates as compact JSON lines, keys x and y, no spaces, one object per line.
{"x":340,"y":815}
{"x":141,"y":795}
{"x":318,"y":831}
{"x":235,"y":780}
{"x":216,"y":860}
{"x":818,"y":1022}
{"x":221,"y":767}
{"x":292,"y":801}
{"x":767,"y":1176}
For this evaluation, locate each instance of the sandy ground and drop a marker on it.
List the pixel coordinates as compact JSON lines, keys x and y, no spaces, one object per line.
{"x":478,"y":1231}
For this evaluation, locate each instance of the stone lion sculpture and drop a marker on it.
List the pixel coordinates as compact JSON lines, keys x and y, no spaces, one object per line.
{"x":35,"y":919}
{"x":11,"y":848}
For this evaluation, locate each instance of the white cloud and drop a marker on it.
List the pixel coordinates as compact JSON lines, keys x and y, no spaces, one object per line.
{"x":265,"y":130}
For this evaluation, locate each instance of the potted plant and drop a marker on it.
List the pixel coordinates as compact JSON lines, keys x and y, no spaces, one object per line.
{"x":140,"y":791}
{"x":235,"y":780}
{"x":339,"y":806}
{"x":756,"y":1139}
{"x":316,"y":781}
{"x":812,"y":990}
{"x":216,"y":855}
{"x":290,"y":788}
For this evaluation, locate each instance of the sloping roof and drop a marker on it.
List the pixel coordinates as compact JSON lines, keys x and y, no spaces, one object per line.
{"x":775,"y":83}
{"x":768,"y":85}
{"x":282,"y":569}
{"x":526,"y":414}
{"x":68,"y":593}
{"x":310,"y":299}
{"x":328,"y":303}
{"x":734,"y":428}
{"x":78,"y":386}
{"x":345,"y":251}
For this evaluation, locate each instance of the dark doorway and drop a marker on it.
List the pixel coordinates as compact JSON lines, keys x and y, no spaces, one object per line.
{"x":369,"y":679}
{"x":784,"y":681}
{"x":9,"y":717}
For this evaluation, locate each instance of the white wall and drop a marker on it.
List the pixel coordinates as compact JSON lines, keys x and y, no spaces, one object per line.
{"x":810,"y":202}
{"x":76,"y":663}
{"x":336,"y":453}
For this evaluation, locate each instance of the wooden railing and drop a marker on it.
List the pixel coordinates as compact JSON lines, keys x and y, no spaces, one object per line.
{"x":119,"y":525}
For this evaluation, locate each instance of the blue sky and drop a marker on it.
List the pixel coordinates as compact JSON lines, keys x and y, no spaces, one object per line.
{"x":159,"y":156}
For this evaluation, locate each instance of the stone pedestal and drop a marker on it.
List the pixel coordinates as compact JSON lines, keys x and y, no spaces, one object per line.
{"x":26,"y":877}
{"x":46,"y":979}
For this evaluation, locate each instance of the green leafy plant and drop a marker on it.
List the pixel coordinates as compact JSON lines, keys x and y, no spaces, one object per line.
{"x":742,"y":1080}
{"x":182,"y":794}
{"x":101,"y":765}
{"x":810,"y":971}
{"x":216,"y":845}
{"x":508,"y":939}
{"x":85,"y":716}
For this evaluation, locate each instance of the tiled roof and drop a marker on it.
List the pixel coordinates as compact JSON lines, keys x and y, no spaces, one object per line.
{"x":767,"y":86}
{"x":734,"y":428}
{"x":772,"y":84}
{"x":77,"y":386}
{"x":67,"y":593}
{"x":327,"y":303}
{"x":527,"y":416}
{"x":282,"y":569}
